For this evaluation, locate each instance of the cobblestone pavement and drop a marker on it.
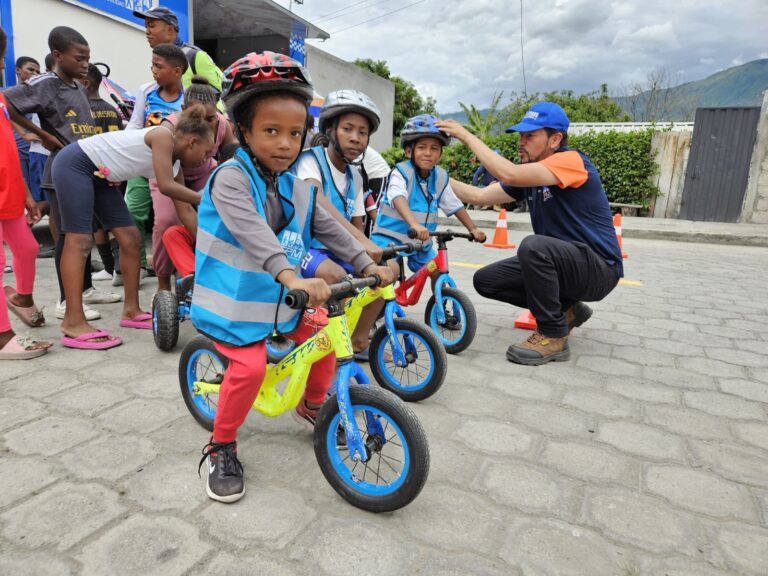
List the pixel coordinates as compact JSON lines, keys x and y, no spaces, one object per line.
{"x":646,"y":454}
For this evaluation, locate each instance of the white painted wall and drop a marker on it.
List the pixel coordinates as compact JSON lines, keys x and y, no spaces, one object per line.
{"x":116,"y":43}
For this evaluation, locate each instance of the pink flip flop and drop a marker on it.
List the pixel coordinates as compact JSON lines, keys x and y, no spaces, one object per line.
{"x":142,"y":321}
{"x":88,"y":341}
{"x":19,"y":348}
{"x":31,"y":316}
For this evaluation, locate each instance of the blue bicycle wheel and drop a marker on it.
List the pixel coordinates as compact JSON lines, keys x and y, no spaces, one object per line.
{"x":201,"y":362}
{"x":278,"y":347}
{"x":426,"y":362}
{"x":398,"y":455}
{"x":458,"y":330}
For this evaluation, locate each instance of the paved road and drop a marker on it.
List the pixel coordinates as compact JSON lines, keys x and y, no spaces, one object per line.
{"x":646,"y":454}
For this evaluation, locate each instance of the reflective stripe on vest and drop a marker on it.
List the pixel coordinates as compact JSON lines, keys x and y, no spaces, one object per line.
{"x":423,"y":204}
{"x":236,"y":301}
{"x":345,"y":203}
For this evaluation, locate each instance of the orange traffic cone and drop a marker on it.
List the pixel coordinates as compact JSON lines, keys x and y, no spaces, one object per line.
{"x":500,"y":238}
{"x":617,"y":228}
{"x":525,"y":320}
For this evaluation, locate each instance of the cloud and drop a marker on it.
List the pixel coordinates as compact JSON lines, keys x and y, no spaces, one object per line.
{"x":465,"y":51}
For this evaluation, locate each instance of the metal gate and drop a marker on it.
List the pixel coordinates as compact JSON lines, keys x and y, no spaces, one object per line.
{"x":718,"y":164}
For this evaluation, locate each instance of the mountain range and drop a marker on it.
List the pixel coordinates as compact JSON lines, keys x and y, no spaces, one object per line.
{"x":741,"y":85}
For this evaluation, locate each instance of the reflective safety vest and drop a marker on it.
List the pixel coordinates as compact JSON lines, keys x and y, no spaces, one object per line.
{"x":423,"y":200}
{"x":234,"y":300}
{"x":344,"y":203}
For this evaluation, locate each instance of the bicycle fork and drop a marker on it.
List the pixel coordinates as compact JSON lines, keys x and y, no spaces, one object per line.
{"x":392,"y":310}
{"x":355,"y":445}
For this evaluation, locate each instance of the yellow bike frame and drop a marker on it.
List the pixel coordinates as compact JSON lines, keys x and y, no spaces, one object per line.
{"x":335,"y":337}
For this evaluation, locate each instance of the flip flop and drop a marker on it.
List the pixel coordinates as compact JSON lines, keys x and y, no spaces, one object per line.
{"x":142,"y":321}
{"x":30,"y":315}
{"x":19,"y":348}
{"x":87,"y":341}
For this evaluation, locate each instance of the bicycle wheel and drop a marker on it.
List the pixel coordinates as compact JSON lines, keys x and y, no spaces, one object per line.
{"x":398,"y":460}
{"x":165,"y":320}
{"x":278,"y":347}
{"x":201,"y":362}
{"x":427,"y":362}
{"x":461,"y":320}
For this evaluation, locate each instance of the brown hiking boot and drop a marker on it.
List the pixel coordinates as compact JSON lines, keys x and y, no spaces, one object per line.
{"x":577,"y":314}
{"x":539,"y":349}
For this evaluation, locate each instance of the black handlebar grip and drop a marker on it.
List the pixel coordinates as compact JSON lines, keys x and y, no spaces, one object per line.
{"x":412,"y":233}
{"x":296,"y":299}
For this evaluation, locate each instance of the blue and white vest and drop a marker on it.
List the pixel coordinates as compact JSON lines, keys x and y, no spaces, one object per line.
{"x":234,"y":300}
{"x":423,"y":201}
{"x":344,"y":203}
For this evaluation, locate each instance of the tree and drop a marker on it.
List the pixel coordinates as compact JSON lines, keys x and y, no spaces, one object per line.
{"x":408,"y":101}
{"x":482,"y":124}
{"x":655,"y":99}
{"x":596,"y":106}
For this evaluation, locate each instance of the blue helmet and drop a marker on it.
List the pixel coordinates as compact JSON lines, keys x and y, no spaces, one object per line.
{"x":422,"y":126}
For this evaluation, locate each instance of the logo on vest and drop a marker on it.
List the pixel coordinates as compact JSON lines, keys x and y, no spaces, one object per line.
{"x":292,"y":244}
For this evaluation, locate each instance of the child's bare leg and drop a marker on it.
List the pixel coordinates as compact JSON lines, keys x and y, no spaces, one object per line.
{"x":369,"y":316}
{"x":76,"y":248}
{"x":129,"y":240}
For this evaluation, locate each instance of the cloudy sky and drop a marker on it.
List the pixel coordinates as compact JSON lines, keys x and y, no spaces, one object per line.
{"x":464,"y":50}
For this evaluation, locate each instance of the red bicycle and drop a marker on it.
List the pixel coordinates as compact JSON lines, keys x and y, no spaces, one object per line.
{"x":455,"y":319}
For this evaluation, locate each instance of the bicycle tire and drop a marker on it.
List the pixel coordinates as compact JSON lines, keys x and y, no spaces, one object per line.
{"x":423,"y":388}
{"x":469,"y":326}
{"x":276,"y":353}
{"x":198,"y":405}
{"x":165,"y":320}
{"x":403,"y":422}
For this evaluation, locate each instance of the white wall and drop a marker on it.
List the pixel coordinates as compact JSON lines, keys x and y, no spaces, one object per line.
{"x":331,"y":73}
{"x":122,"y":46}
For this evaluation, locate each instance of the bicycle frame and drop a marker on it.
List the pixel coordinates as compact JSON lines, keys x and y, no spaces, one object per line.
{"x":335,"y":337}
{"x":416,"y":282}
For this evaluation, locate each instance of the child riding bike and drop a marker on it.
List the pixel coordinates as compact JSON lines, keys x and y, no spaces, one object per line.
{"x":255,"y":223}
{"x":347,"y":120}
{"x":417,"y":187}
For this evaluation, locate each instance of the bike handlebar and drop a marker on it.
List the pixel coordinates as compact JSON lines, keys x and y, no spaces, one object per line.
{"x":298,"y":299}
{"x":445,"y":235}
{"x":394,"y":249}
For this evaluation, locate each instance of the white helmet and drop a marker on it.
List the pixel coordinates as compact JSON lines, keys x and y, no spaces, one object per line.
{"x":346,"y":101}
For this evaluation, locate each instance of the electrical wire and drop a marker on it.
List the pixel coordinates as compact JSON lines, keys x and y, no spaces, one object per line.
{"x":377,"y":17}
{"x":340,"y":10}
{"x":522,"y":55}
{"x":355,"y":11}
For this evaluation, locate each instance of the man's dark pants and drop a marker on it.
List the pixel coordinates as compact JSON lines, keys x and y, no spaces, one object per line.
{"x":548,"y":276}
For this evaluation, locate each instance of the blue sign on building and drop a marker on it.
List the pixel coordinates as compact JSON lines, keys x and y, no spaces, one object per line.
{"x":123,"y":10}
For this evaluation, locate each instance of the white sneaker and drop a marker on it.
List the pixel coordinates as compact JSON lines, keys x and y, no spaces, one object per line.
{"x":101,"y":275}
{"x":117,"y":278}
{"x":90,"y":313}
{"x":93,"y":296}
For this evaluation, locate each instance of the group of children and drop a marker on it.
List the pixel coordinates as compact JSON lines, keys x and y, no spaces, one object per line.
{"x":271,"y":219}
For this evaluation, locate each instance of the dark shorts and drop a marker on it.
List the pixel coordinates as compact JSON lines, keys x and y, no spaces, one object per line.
{"x":313,"y":258}
{"x":82,"y":196}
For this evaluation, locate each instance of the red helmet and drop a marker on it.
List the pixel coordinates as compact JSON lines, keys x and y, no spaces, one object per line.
{"x":267,"y":72}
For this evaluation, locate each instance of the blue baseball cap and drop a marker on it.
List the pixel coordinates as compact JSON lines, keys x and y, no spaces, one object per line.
{"x":159,"y":13}
{"x":542,"y":115}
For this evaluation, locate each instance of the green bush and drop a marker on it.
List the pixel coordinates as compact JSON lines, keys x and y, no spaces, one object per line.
{"x":623,"y":160}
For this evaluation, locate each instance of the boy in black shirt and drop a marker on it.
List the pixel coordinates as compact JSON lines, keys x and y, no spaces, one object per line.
{"x":65,"y":117}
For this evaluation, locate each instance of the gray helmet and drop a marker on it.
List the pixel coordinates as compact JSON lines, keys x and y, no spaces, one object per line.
{"x":346,"y":101}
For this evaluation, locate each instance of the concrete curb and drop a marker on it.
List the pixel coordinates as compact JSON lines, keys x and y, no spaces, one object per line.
{"x":647,"y":229}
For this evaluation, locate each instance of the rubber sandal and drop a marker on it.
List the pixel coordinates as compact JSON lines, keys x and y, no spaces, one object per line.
{"x":142,"y":321}
{"x":30,"y":315}
{"x":20,"y":348}
{"x":87,"y":341}
{"x":363,"y":355}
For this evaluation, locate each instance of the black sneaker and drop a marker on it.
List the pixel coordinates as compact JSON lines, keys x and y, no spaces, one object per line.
{"x":225,"y":472}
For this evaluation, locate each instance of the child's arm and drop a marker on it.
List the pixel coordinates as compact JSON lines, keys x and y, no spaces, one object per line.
{"x":465,"y":219}
{"x":136,"y":121}
{"x":401,"y":205}
{"x":372,"y":249}
{"x":339,"y":241}
{"x":161,"y":142}
{"x":187,"y":215}
{"x":49,"y":141}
